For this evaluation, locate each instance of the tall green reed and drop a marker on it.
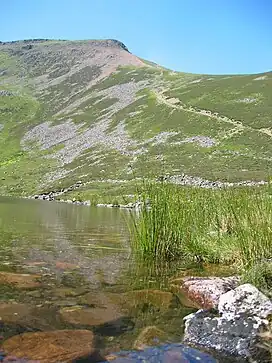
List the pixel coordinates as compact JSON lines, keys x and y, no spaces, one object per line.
{"x":230,"y":226}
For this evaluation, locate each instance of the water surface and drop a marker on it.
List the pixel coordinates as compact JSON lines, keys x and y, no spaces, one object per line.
{"x":87,"y":275}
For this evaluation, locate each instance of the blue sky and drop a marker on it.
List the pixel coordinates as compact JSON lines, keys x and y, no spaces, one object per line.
{"x":198,"y":36}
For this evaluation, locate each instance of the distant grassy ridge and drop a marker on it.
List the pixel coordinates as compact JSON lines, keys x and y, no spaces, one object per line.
{"x":230,"y":227}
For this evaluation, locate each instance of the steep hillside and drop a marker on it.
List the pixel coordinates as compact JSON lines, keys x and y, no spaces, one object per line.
{"x":94,"y":112}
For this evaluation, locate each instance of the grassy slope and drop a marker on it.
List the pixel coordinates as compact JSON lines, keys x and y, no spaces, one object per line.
{"x":243,"y":139}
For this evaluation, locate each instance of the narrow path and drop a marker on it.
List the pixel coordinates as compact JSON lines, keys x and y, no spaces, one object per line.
{"x":239,"y":126}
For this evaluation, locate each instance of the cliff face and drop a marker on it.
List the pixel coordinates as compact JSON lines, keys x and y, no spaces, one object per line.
{"x":92,"y":111}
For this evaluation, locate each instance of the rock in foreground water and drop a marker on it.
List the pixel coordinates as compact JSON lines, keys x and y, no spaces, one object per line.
{"x":149,"y":336}
{"x":88,"y":316}
{"x":234,"y":329}
{"x":20,"y":281}
{"x":206,"y":291}
{"x":51,"y":347}
{"x":245,"y":299}
{"x":168,"y":353}
{"x":162,"y":300}
{"x":14,"y":312}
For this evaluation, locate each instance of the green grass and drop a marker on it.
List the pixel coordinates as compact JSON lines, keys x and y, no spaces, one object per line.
{"x":45,"y":90}
{"x":227,"y":95}
{"x":230,"y":227}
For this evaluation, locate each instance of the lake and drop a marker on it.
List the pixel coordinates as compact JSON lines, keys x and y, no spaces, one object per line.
{"x":83,"y":276}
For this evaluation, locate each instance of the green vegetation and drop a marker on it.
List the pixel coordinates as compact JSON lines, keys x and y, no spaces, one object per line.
{"x":145,"y":119}
{"x":230,"y":227}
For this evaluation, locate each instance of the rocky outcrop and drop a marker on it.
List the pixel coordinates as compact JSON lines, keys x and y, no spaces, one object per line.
{"x":234,"y":328}
{"x":50,"y":347}
{"x":206,"y":291}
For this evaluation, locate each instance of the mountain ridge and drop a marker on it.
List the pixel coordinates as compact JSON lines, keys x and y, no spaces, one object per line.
{"x":91,"y":110}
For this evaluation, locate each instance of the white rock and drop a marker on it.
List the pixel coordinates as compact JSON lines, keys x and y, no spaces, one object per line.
{"x":244,"y":314}
{"x":245,"y":299}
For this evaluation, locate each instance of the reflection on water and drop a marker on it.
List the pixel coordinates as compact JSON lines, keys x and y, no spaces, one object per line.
{"x":86,"y":277}
{"x":90,"y":238}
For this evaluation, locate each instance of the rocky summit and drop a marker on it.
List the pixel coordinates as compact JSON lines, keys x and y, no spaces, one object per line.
{"x":92,"y":111}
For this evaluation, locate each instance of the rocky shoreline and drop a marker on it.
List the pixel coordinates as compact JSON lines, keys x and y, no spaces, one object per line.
{"x":48,"y":197}
{"x":184,"y":180}
{"x":230,"y":325}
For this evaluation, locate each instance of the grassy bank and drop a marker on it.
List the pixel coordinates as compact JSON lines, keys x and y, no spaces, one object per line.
{"x":231,"y":227}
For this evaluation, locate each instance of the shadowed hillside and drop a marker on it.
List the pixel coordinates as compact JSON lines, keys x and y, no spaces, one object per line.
{"x":94,"y":112}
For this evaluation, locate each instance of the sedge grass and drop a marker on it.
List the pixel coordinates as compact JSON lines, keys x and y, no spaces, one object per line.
{"x":230,"y":226}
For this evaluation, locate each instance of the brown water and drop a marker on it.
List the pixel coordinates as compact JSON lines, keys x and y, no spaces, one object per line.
{"x":87,"y":277}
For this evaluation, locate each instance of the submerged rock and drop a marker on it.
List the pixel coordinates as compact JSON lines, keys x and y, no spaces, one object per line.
{"x":51,"y":347}
{"x":234,"y":328}
{"x":206,"y":291}
{"x":21,"y":281}
{"x":89,"y":316}
{"x":168,"y":353}
{"x":162,"y":300}
{"x":14,"y":312}
{"x":23,"y":317}
{"x":66,"y":265}
{"x":149,"y":336}
{"x":63,"y":292}
{"x":102,"y":299}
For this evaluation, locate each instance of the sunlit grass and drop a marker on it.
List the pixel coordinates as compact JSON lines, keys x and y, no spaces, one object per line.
{"x":230,"y":226}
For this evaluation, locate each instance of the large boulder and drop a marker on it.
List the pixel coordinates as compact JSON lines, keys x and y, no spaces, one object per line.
{"x":234,"y":329}
{"x":230,"y":336}
{"x":51,"y":347}
{"x":206,"y":291}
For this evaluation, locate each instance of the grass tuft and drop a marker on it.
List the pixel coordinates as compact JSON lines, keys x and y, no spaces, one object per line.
{"x":230,"y":226}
